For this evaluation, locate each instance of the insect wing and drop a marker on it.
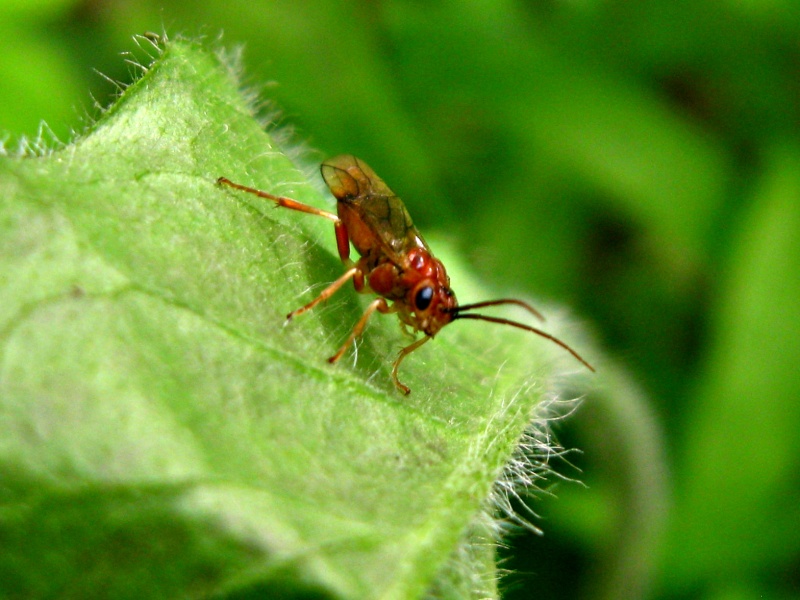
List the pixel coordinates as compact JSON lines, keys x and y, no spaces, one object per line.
{"x":354,"y":183}
{"x":350,"y":179}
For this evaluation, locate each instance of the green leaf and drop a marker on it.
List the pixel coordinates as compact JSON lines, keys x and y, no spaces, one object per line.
{"x":163,"y":433}
{"x":737,"y":508}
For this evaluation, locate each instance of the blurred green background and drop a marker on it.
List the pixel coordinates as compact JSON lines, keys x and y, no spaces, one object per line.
{"x":638,"y":162}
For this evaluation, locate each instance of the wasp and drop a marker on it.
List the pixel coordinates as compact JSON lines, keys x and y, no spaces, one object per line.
{"x":395,"y":262}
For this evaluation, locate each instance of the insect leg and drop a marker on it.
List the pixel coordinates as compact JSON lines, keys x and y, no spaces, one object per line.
{"x":378,"y":304}
{"x":403,"y":353}
{"x":327,"y":292}
{"x":342,"y":239}
{"x":280,"y":200}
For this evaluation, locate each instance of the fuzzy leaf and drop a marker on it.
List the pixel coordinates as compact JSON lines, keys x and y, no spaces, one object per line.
{"x":163,"y":433}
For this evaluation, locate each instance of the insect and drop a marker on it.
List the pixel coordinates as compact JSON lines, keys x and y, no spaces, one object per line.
{"x":395,"y":262}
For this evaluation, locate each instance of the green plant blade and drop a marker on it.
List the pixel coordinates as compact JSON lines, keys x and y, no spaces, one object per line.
{"x":162,"y":432}
{"x":737,"y":510}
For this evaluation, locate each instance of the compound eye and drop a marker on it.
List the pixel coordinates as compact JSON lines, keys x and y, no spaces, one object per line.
{"x":423,"y":298}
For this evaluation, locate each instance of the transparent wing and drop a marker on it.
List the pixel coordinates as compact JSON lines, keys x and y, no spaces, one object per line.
{"x":354,"y":183}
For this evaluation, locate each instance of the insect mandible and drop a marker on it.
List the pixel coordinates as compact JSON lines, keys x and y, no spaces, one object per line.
{"x":395,"y":262}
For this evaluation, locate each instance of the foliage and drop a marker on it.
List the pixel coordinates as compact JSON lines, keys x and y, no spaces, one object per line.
{"x":154,"y":410}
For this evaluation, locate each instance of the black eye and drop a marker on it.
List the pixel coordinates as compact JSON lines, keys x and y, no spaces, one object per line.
{"x":423,"y":298}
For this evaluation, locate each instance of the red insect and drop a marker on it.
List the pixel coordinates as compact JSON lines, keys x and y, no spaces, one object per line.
{"x":395,"y":262}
